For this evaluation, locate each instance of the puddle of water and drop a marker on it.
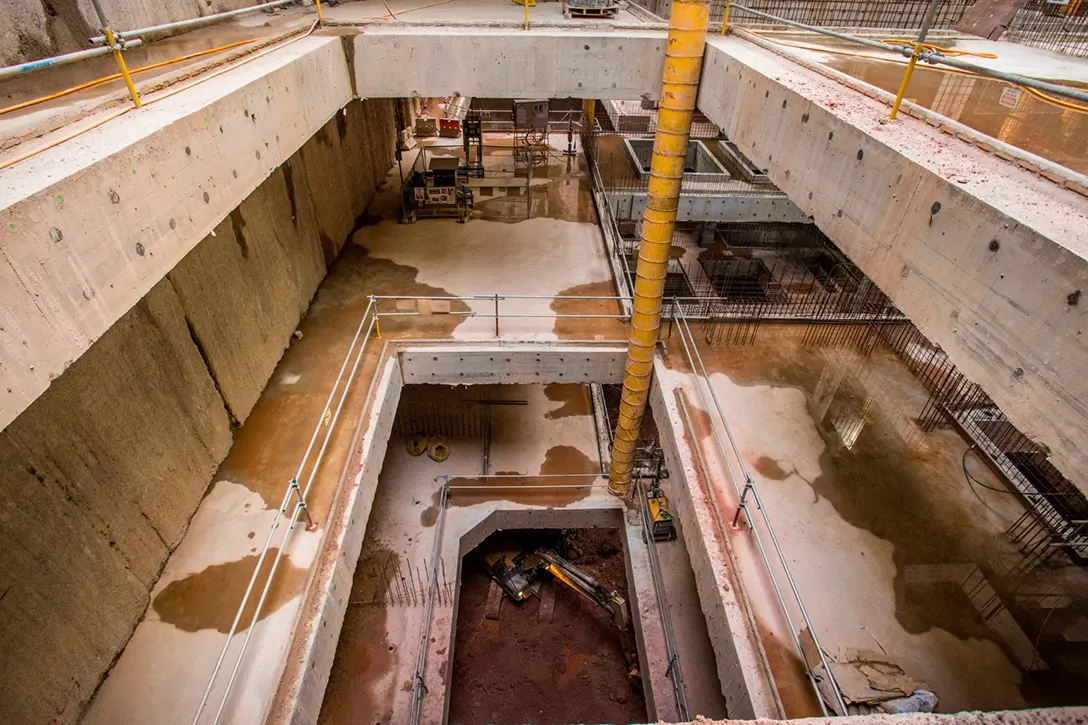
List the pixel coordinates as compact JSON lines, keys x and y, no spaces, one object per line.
{"x":573,"y":396}
{"x":208,"y":599}
{"x":881,"y":475}
{"x":268,"y":447}
{"x":594,"y":328}
{"x":559,"y":459}
{"x":790,"y":678}
{"x":995,"y":108}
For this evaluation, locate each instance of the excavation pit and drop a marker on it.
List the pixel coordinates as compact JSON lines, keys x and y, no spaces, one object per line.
{"x":551,"y":659}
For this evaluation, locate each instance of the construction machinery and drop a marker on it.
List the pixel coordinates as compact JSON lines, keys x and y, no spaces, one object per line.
{"x":521,"y":576}
{"x":438,"y":188}
{"x":661,"y":521}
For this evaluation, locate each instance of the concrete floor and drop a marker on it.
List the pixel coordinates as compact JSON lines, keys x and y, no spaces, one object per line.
{"x":995,"y":108}
{"x":869,"y":511}
{"x":471,"y":11}
{"x":170,"y":656}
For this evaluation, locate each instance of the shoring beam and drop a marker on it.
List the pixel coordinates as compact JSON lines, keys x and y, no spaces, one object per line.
{"x":679,"y":88}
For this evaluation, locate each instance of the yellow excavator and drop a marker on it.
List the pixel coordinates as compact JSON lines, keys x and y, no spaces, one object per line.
{"x":520,"y":577}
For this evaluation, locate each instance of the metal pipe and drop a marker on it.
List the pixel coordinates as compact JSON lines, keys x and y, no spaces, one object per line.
{"x":927,"y":21}
{"x":299,"y":505}
{"x":699,"y":372}
{"x":418,"y":687}
{"x":688,"y":21}
{"x":931,"y":56}
{"x":675,"y":670}
{"x":123,"y":67}
{"x":14,"y":70}
{"x":276,"y":523}
{"x":191,"y":23}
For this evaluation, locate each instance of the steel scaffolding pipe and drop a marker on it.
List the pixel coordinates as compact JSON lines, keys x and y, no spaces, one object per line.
{"x":679,"y":87}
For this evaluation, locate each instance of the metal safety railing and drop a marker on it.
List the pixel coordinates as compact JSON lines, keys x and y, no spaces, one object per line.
{"x":115,"y":43}
{"x":916,"y":51}
{"x":296,"y":489}
{"x":747,"y":495}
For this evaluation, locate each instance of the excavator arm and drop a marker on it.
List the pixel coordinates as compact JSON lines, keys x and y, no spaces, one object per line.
{"x":546,"y":560}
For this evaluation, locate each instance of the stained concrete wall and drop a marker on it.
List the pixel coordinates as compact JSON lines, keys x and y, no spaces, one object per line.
{"x":988,"y":259}
{"x":90,"y":226}
{"x":100,"y":478}
{"x":102,"y":473}
{"x":266,"y":259}
{"x":34,"y":29}
{"x":482,"y":63}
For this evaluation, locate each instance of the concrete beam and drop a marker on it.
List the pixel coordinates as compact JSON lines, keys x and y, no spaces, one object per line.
{"x":736,"y":207}
{"x":88,"y":227}
{"x":496,"y":63}
{"x":986,"y":258}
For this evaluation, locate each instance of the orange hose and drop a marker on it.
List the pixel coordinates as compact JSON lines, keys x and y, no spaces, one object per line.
{"x":115,"y":76}
{"x":148,"y":102}
{"x":409,"y":10}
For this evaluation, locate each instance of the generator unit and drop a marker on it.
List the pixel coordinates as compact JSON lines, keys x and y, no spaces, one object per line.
{"x":437,"y":187}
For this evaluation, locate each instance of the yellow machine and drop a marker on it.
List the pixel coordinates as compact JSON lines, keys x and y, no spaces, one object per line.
{"x":661,"y":522}
{"x":519,"y":577}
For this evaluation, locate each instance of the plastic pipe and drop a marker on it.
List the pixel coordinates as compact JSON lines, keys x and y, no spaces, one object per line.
{"x":192,"y":22}
{"x":688,"y":22}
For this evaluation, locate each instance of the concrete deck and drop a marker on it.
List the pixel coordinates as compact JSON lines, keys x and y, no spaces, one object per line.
{"x":868,"y":510}
{"x":172,"y":652}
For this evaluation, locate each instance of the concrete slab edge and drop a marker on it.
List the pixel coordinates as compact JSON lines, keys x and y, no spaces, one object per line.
{"x":1045,"y":168}
{"x":743,"y":670}
{"x":301,"y":691}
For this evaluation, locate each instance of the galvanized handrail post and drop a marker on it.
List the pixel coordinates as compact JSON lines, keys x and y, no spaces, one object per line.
{"x":311,"y":525}
{"x":115,"y":48}
{"x":927,"y":22}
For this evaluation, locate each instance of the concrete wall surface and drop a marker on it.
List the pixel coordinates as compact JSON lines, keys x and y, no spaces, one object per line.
{"x":35,"y":29}
{"x":495,"y":63}
{"x":987,"y":259}
{"x":90,"y":226}
{"x":100,"y":478}
{"x":266,"y":259}
{"x":103,"y":472}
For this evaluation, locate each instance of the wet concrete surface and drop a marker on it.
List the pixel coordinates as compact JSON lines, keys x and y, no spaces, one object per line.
{"x":250,"y":32}
{"x":203,"y":582}
{"x":862,"y":500}
{"x":1018,"y":116}
{"x":372,"y":684}
{"x":195,"y":602}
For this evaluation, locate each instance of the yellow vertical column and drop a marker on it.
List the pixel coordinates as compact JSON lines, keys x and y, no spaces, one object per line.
{"x":679,"y":86}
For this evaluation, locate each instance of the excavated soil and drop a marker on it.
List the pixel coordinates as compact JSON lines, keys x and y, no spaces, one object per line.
{"x":520,"y":669}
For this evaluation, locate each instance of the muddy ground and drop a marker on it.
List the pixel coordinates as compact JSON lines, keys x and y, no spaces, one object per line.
{"x":520,"y":669}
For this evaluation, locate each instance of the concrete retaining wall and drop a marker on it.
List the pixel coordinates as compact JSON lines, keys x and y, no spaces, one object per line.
{"x":743,"y":672}
{"x":90,"y":226}
{"x":100,"y":478}
{"x":102,"y":473}
{"x":985,"y":258}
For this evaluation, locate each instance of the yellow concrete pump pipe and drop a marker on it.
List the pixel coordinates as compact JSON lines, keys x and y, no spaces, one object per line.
{"x":679,"y":86}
